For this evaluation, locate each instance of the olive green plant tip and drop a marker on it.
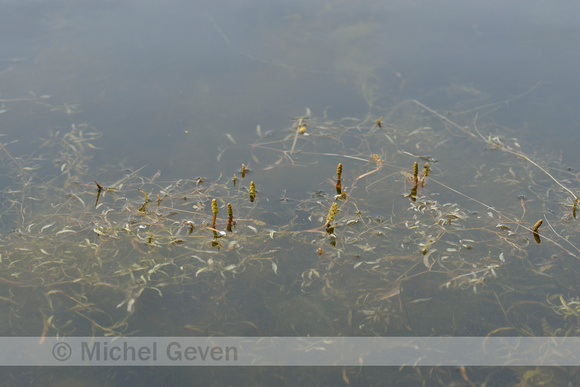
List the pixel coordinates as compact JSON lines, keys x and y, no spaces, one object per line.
{"x":331,"y":214}
{"x":252,"y":191}
{"x":214,"y":206}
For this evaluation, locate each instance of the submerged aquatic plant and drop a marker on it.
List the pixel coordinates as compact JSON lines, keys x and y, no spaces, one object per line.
{"x":376,"y":261}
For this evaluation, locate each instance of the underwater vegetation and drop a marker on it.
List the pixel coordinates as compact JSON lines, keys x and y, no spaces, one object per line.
{"x":368,"y":244}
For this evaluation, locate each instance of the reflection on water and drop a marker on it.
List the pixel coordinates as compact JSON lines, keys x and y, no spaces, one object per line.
{"x":430,"y":228}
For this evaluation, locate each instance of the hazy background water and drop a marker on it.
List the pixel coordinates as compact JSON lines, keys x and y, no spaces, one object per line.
{"x":165,"y":81}
{"x":147,"y":72}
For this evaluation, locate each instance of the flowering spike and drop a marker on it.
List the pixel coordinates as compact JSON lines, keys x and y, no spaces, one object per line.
{"x":331,"y":214}
{"x":214,"y":210}
{"x":252,"y":191}
{"x":537,"y":225}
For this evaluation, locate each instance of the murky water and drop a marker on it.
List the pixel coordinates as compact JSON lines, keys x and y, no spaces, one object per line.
{"x":122,"y":121}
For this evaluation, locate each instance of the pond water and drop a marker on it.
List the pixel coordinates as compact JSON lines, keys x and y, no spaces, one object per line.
{"x":122,"y":121}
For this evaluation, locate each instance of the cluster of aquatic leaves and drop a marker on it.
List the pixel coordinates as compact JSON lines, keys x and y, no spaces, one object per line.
{"x":470,"y":224}
{"x":94,"y":249}
{"x":86,"y":244}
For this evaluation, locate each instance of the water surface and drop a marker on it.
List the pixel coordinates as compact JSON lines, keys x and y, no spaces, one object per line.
{"x":181,"y":88}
